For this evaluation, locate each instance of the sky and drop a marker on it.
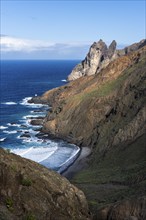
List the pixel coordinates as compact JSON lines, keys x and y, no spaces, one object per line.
{"x":45,"y":29}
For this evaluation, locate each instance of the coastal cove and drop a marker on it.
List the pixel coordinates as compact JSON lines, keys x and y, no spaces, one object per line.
{"x":91,"y":130}
{"x":105,"y":111}
{"x":20,"y":80}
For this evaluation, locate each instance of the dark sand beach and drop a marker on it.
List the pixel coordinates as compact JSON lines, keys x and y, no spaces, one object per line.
{"x":79,"y":164}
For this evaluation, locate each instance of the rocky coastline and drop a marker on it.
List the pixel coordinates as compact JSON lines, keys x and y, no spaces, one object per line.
{"x":102,"y":110}
{"x":105,"y":111}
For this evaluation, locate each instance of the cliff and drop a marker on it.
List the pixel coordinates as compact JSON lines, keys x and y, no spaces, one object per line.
{"x":107,"y":112}
{"x":82,"y":109}
{"x":99,"y":56}
{"x":30,"y":191}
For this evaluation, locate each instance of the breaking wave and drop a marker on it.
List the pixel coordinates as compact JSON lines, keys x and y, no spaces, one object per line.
{"x":10,"y":132}
{"x":27,"y":104}
{"x":9,"y":103}
{"x":2,"y":139}
{"x":37,"y":154}
{"x":3,"y":127}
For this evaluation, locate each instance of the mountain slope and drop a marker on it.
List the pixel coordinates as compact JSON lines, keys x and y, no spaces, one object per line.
{"x":91,"y":102}
{"x":107,"y":112}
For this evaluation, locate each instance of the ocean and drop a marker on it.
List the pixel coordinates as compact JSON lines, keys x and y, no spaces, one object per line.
{"x":19,"y":81}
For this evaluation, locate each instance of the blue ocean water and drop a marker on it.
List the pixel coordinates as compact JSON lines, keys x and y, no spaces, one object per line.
{"x":19,"y":81}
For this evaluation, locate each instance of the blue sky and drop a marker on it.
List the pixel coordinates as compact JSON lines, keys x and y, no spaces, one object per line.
{"x":65,"y":29}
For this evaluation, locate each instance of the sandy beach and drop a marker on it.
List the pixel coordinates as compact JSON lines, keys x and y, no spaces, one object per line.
{"x":79,"y":163}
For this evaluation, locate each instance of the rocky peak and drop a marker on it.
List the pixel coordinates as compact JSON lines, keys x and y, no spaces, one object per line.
{"x":99,"y":56}
{"x":111,"y":49}
{"x":131,"y":48}
{"x":97,"y":52}
{"x":100,"y":45}
{"x":135,"y":46}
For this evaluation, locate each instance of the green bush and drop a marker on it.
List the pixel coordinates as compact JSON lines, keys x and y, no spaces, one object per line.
{"x":26,"y":182}
{"x":30,"y":217}
{"x":9,"y":204}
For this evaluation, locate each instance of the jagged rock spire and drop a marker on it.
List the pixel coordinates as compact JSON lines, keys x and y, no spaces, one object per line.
{"x":111,"y":49}
{"x":98,"y":57}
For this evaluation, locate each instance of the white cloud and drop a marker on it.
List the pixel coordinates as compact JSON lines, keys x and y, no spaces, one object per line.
{"x":8,"y":44}
{"x":19,"y":48}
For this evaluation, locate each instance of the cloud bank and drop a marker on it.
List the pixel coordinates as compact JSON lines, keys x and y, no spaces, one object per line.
{"x":18,"y":48}
{"x":17,"y":44}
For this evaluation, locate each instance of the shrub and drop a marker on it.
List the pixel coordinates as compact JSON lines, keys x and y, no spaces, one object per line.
{"x":9,"y":204}
{"x":26,"y":182}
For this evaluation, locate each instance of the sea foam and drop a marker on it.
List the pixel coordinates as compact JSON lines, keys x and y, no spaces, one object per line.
{"x":10,"y":132}
{"x":3,"y":127}
{"x":37,"y":154}
{"x":14,"y":124}
{"x":27,"y":104}
{"x":2,"y":139}
{"x":9,"y":103}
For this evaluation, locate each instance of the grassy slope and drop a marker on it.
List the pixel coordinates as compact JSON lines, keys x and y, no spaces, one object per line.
{"x":90,"y":112}
{"x":120,"y":173}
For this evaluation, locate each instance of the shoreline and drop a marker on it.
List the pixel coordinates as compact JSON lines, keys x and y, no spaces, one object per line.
{"x":81,"y":159}
{"x":79,"y":164}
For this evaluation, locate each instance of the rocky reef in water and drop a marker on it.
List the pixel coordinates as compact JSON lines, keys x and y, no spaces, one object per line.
{"x":29,"y":191}
{"x":106,"y":111}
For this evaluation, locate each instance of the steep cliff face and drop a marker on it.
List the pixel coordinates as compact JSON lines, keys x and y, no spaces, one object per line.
{"x":107,"y":112}
{"x":83,"y":110}
{"x":99,"y":56}
{"x":30,"y":191}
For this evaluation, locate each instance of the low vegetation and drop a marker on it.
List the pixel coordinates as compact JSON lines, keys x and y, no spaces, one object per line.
{"x":118,"y":175}
{"x":26,"y":182}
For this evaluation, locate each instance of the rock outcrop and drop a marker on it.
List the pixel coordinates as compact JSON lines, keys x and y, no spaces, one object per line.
{"x":132,"y":209}
{"x":99,"y":56}
{"x":31,"y":191}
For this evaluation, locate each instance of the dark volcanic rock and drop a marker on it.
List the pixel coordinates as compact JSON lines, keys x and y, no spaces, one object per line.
{"x":23,"y":126}
{"x":25,"y":135}
{"x":31,"y":191}
{"x":37,"y":100}
{"x":36,"y":122}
